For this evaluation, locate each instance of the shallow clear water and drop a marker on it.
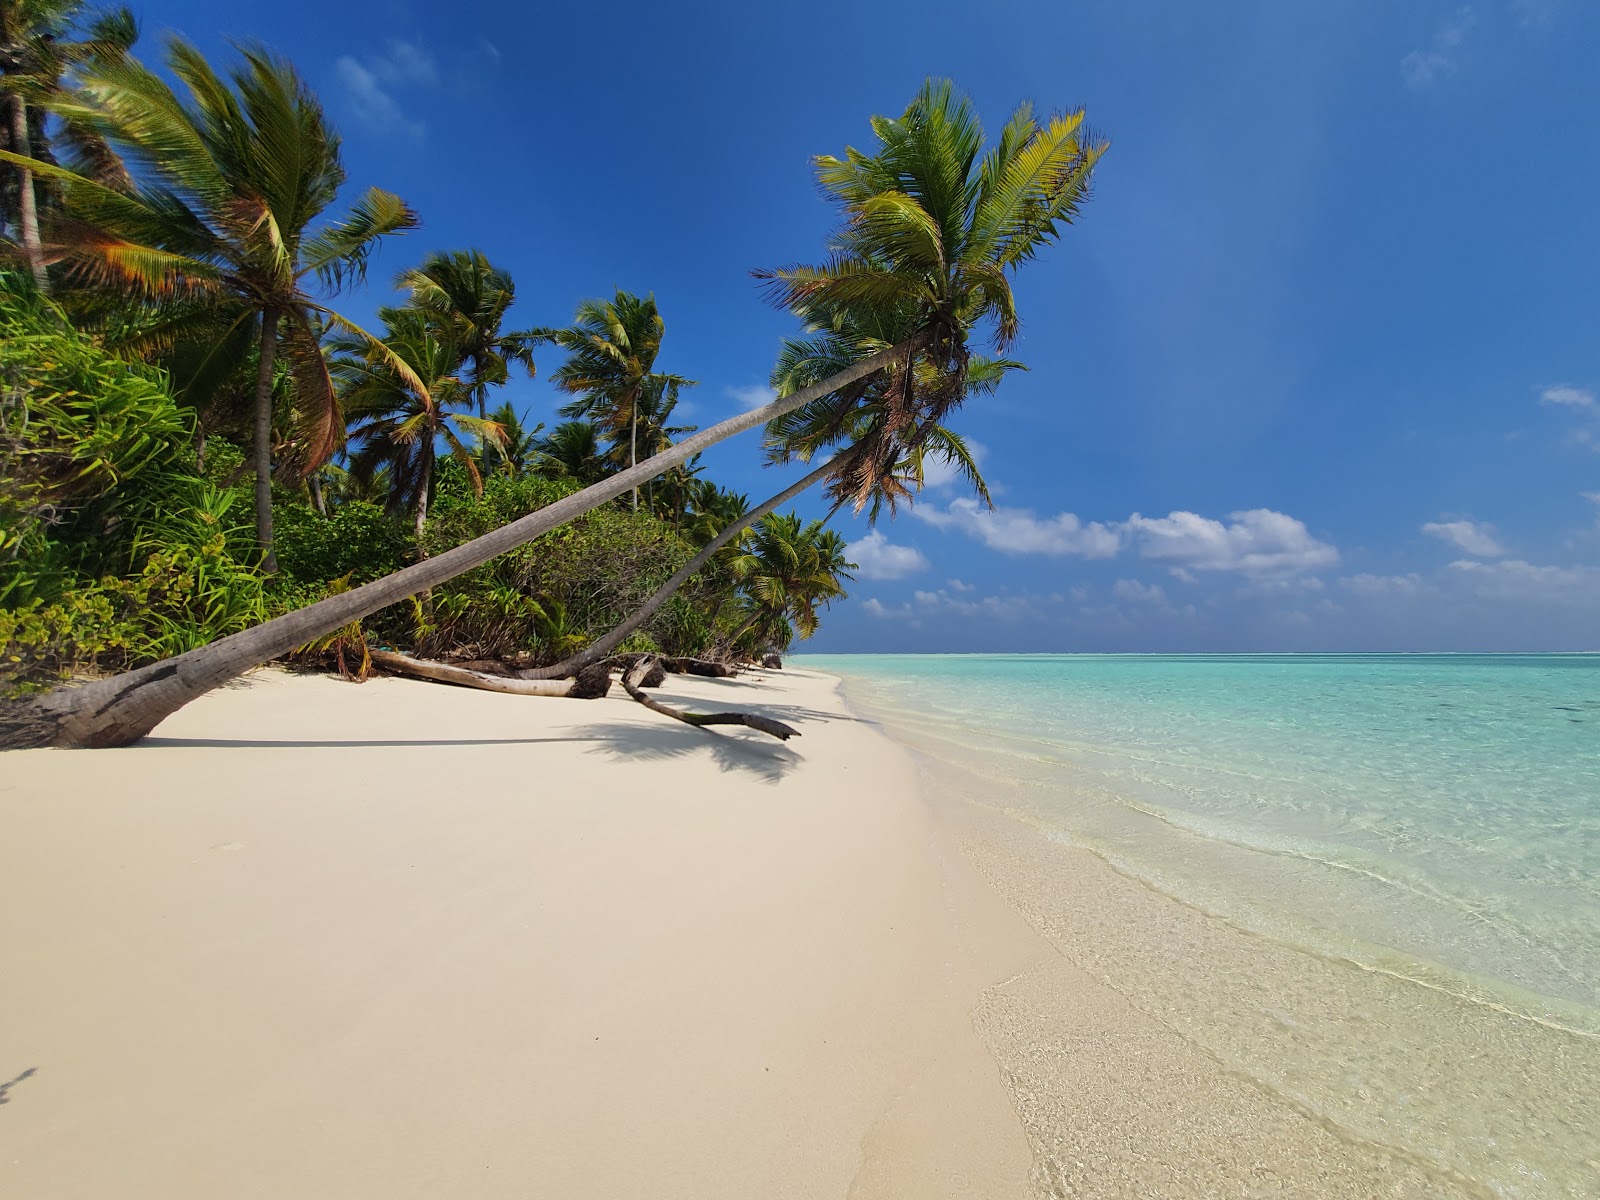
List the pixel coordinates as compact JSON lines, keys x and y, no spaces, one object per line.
{"x":1451,"y":801}
{"x":1387,"y":869}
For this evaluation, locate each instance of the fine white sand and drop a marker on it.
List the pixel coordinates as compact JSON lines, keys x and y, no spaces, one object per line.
{"x":406,"y":940}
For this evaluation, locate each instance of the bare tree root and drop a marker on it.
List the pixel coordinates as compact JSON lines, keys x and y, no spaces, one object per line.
{"x":631,"y":680}
{"x":590,"y":684}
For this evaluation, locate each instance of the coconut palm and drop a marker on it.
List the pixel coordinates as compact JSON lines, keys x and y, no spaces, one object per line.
{"x":934,"y":227}
{"x":981,"y":217}
{"x":611,"y":353}
{"x":232,"y":180}
{"x":37,"y":53}
{"x":572,"y":450}
{"x":517,"y":450}
{"x":787,"y":569}
{"x":398,"y":427}
{"x":469,"y":296}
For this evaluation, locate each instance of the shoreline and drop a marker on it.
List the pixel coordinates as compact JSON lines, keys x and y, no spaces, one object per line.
{"x":401,"y":939}
{"x":1273,"y":1066}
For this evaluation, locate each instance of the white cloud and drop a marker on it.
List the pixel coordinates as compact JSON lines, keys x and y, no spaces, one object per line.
{"x":1257,"y":541}
{"x":941,"y":603}
{"x":1513,"y":579}
{"x":1422,"y":68}
{"x":958,"y":585}
{"x":1383,"y":586}
{"x":406,"y":66}
{"x":1282,"y":585}
{"x":1581,"y":403}
{"x":370,"y":85}
{"x":1474,"y":537}
{"x":1567,"y":396}
{"x":1019,"y":531}
{"x":1135,"y":592}
{"x":876,"y":557}
{"x":1592,"y":497}
{"x":757,"y":395}
{"x":1534,"y":14}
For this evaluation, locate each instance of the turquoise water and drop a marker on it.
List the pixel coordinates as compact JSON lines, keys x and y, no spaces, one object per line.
{"x":1452,"y":802}
{"x":1386,"y":872}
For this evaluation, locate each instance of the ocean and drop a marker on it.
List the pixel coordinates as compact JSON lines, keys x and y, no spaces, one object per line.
{"x":1389,"y":866}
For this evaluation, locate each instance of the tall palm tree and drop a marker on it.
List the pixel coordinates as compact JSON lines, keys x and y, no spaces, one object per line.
{"x":464,"y":292}
{"x":37,"y":52}
{"x":611,"y":354}
{"x":1010,"y":201}
{"x":934,"y":227}
{"x":232,"y":180}
{"x":787,"y":569}
{"x":399,"y":427}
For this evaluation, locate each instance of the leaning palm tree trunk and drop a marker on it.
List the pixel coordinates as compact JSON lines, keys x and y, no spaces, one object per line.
{"x":27,"y":202}
{"x":124,"y":708}
{"x":603,"y":646}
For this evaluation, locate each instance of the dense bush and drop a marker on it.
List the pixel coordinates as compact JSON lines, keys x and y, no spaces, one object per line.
{"x":551,"y":596}
{"x":357,"y":540}
{"x":113,"y":550}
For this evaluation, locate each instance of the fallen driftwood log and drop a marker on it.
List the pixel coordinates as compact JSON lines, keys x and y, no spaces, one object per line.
{"x":664,"y":664}
{"x":631,"y":683}
{"x":591,"y":682}
{"x":699,"y":666}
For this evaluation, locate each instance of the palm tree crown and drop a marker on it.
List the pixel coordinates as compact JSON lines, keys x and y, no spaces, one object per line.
{"x":232,"y":183}
{"x":397,"y":426}
{"x":933,"y":227}
{"x":464,"y":291}
{"x":788,"y":568}
{"x":610,"y":368}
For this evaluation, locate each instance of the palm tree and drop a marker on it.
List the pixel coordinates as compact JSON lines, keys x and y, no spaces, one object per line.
{"x":399,"y":427}
{"x":233,"y":180}
{"x":572,"y":450}
{"x":611,"y":353}
{"x":517,"y":449}
{"x":934,"y":226}
{"x":787,"y":569}
{"x":1007,"y":204}
{"x":465,"y":293}
{"x":37,"y":51}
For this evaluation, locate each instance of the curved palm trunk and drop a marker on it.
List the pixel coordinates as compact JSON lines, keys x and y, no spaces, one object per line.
{"x":602,"y":647}
{"x":263,"y":446}
{"x":27,"y":202}
{"x":123,"y":708}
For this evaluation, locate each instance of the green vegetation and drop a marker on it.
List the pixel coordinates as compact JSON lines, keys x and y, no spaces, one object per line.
{"x":187,"y":361}
{"x":114,"y":549}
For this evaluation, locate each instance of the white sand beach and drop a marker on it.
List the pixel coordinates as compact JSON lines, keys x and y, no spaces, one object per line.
{"x":396,"y":940}
{"x":407,"y":940}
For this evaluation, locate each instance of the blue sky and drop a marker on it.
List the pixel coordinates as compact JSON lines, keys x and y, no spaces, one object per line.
{"x":1317,"y":369}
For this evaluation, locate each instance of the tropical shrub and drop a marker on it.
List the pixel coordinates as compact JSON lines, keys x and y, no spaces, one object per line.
{"x":113,"y":550}
{"x":356,"y":542}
